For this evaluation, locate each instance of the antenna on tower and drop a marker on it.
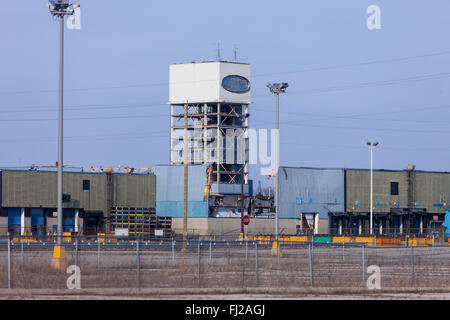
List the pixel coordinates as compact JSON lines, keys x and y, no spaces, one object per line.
{"x":235,"y":58}
{"x":218,"y":51}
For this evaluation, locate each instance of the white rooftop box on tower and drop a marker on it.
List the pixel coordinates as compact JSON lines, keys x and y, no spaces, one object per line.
{"x":215,"y":81}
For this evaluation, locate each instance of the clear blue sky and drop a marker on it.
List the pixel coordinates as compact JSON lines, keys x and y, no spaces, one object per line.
{"x":117,"y":69}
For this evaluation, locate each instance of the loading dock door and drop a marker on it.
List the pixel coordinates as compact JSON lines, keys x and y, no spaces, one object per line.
{"x":14,"y":221}
{"x":37,"y":222}
{"x":68,"y":220}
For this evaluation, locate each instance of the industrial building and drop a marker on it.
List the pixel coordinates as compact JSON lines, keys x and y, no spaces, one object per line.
{"x":337,"y":201}
{"x":213,"y":97}
{"x":28,"y":200}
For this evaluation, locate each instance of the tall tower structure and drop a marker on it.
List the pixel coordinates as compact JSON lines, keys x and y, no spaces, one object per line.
{"x":217,"y":96}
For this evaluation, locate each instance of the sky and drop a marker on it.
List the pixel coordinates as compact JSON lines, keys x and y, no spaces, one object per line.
{"x":347,"y":84}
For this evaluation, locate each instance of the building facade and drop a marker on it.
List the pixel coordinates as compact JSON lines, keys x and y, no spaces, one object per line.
{"x":404,"y":201}
{"x":215,"y":95}
{"x":28,"y":200}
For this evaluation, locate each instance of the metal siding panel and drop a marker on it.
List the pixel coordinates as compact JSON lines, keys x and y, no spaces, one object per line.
{"x":135,"y":191}
{"x":358,"y":190}
{"x":170,"y":182}
{"x":431,"y":188}
{"x":195,"y":209}
{"x":321,"y":185}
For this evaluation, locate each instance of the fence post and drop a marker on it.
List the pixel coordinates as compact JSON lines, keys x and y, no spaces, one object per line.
{"x":343,"y":250}
{"x":432,"y":250}
{"x":76,"y":251}
{"x":412,"y":263}
{"x":138,"y":263}
{"x":21,"y":252}
{"x":198,"y":277}
{"x":256,"y":264}
{"x":363,"y":263}
{"x":310,"y":265}
{"x":9,"y":262}
{"x":210,"y":251}
{"x":98,"y":252}
{"x":173,"y":253}
{"x":246,"y":249}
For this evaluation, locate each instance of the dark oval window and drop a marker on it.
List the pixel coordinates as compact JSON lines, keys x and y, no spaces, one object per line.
{"x":236,"y":84}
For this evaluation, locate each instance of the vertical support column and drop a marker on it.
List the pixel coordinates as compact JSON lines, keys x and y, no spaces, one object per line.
{"x":340,"y":225}
{"x":421,"y":224}
{"x":22,"y":221}
{"x":171,"y":155}
{"x":360,"y":226}
{"x":380,"y":221}
{"x":206,"y":152}
{"x":185,"y":163}
{"x":219,"y":147}
{"x":77,"y":219}
{"x":316,"y":223}
{"x":401,"y":224}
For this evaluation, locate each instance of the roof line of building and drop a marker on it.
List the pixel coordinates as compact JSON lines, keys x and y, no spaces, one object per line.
{"x":365,"y":169}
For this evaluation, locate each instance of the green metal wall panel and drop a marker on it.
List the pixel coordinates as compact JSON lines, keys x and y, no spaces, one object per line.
{"x":38,"y":189}
{"x":429,"y":188}
{"x":358,"y":190}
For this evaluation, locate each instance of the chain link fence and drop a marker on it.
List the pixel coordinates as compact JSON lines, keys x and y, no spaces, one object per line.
{"x":172,"y":263}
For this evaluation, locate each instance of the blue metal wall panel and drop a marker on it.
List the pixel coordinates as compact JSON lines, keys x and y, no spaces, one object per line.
{"x":1,"y":180}
{"x":310,"y":190}
{"x":14,"y":215}
{"x":170,"y":182}
{"x":196,"y":209}
{"x":37,"y":216}
{"x":447,"y":223}
{"x":229,"y":188}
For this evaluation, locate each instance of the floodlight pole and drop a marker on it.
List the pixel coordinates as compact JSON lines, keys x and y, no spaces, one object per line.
{"x":276,"y":88}
{"x":371,"y":147}
{"x":60,"y":129}
{"x":275,"y":181}
{"x":371,"y":190}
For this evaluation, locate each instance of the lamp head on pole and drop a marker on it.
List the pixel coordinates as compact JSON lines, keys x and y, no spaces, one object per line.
{"x":372,"y":145}
{"x":278,"y":87}
{"x":62,"y":7}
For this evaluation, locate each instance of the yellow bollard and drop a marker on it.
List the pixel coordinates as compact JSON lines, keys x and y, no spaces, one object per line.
{"x":59,"y":258}
{"x":274,"y":249}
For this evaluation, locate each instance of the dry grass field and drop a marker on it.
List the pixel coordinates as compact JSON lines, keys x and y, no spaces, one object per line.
{"x":230,"y":272}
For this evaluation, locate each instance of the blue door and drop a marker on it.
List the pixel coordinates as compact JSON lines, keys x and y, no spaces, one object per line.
{"x":68,"y":220}
{"x":37,"y":222}
{"x":14,"y":215}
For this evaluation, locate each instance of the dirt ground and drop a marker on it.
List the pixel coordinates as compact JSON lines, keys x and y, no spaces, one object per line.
{"x":228,"y":294}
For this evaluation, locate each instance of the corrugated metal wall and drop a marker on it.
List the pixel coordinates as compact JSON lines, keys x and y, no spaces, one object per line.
{"x":310,"y":190}
{"x":38,"y":189}
{"x":430,"y":189}
{"x":135,"y":191}
{"x":170,"y":190}
{"x":358,"y":190}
